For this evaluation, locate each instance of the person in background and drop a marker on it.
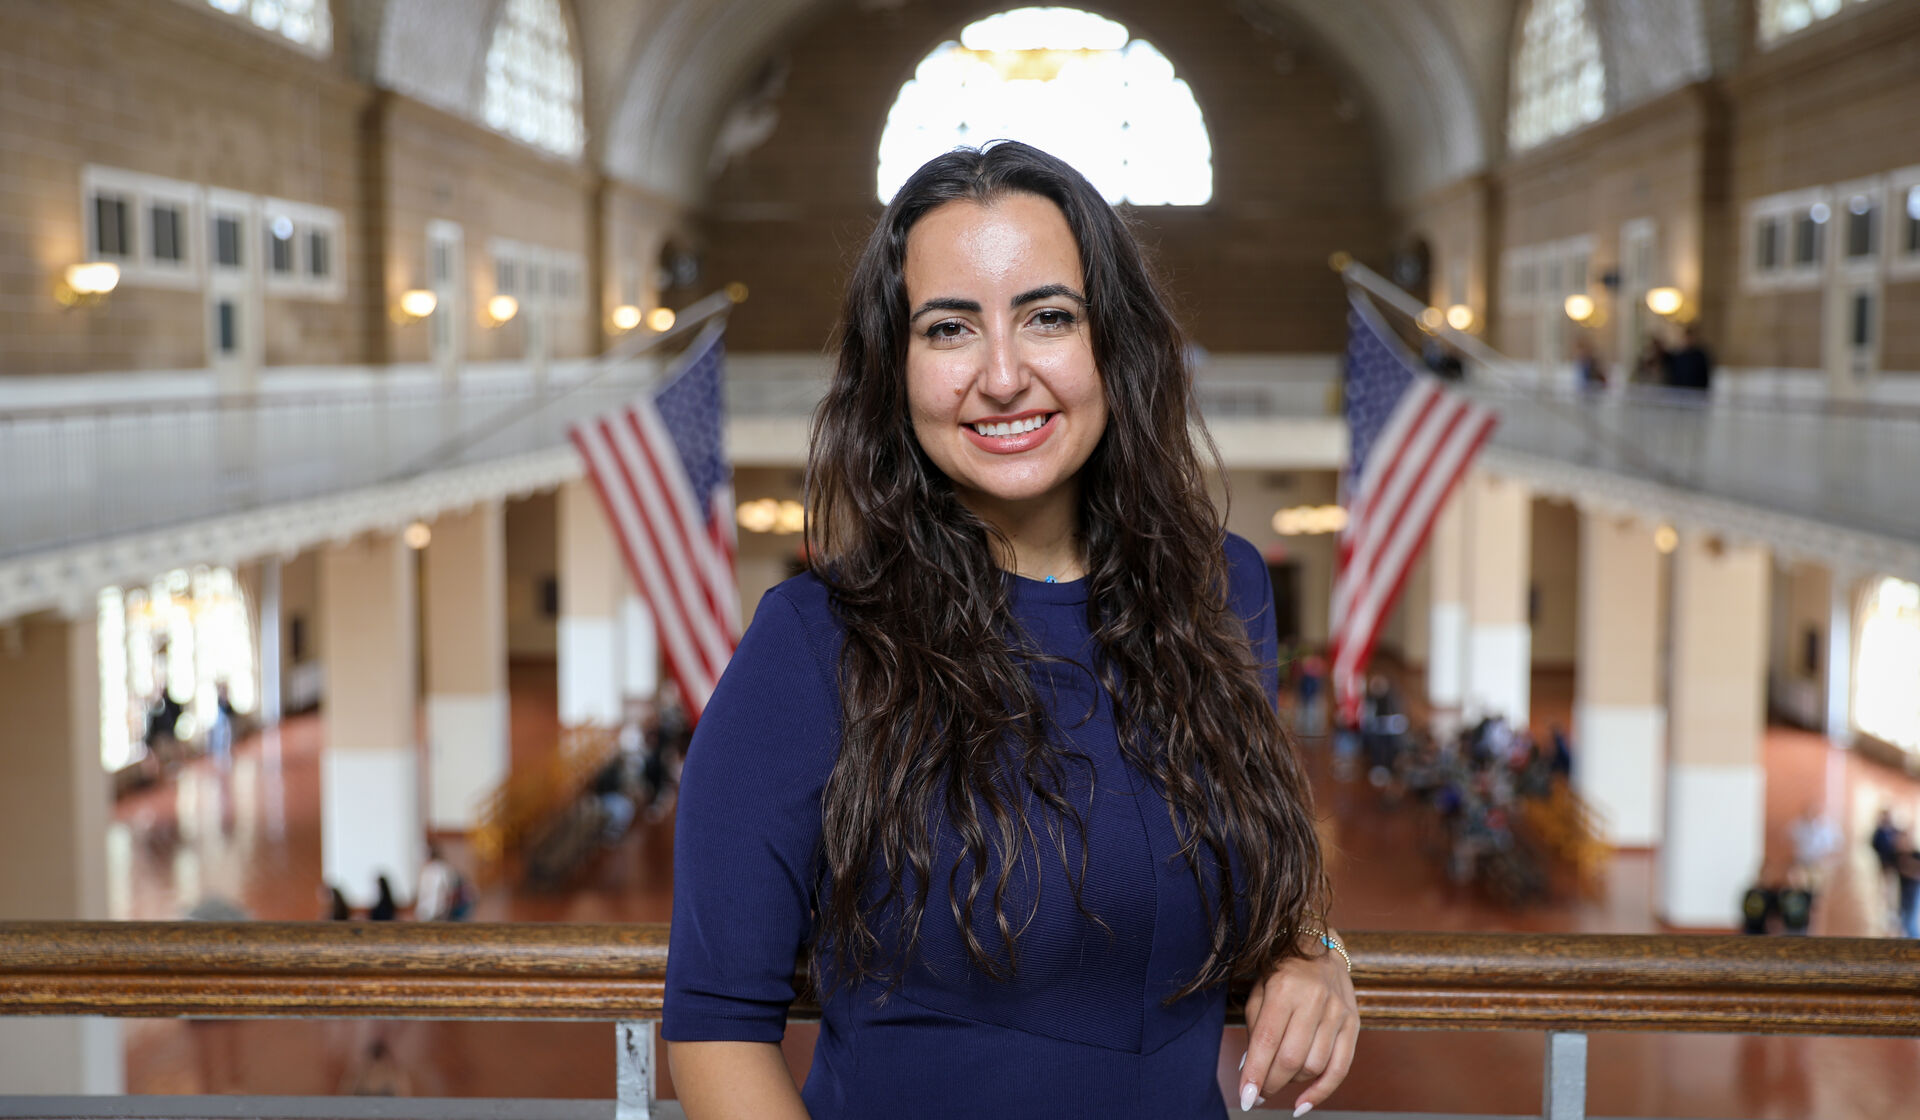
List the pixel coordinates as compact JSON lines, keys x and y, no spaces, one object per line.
{"x":1588,"y":373}
{"x":1883,"y":841}
{"x":1312,"y":689}
{"x":1654,"y":364}
{"x":1906,"y":866}
{"x":1759,"y":909}
{"x":1691,"y":366}
{"x":220,"y":731}
{"x":1562,"y":761}
{"x":333,"y":905}
{"x":438,"y":894}
{"x":1816,"y":841}
{"x":1795,"y":901}
{"x":385,"y":909}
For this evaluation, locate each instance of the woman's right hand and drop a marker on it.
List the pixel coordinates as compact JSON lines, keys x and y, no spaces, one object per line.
{"x":734,"y":1081}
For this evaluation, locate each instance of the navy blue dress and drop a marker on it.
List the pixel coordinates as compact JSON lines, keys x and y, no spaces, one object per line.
{"x":1081,"y":1031}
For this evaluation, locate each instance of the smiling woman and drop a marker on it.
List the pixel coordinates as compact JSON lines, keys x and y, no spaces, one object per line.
{"x":1001,"y":383}
{"x":1028,"y":806}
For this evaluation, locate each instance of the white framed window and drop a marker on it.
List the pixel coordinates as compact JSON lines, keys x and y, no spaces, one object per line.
{"x":306,"y":23}
{"x":1786,"y":239}
{"x":143,"y":223}
{"x":533,"y":78}
{"x":1559,"y":78}
{"x":1859,"y":210}
{"x":230,"y":224}
{"x":1781,"y":19}
{"x":1138,"y":133}
{"x":299,"y":249}
{"x":1903,"y":224}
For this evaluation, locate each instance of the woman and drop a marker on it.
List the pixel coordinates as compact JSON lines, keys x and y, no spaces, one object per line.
{"x":1004,"y":768}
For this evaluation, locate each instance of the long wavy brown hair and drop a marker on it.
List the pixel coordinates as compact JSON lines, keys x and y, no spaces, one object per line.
{"x":940,"y":719}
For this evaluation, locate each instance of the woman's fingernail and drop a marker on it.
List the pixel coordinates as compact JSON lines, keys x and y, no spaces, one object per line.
{"x":1243,"y":1062}
{"x":1260,"y":1100}
{"x":1303,"y":1108}
{"x":1247,"y":1093}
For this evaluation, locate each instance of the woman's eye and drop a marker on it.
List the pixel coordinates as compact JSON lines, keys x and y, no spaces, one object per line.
{"x":946,"y":331}
{"x":1053,"y":318}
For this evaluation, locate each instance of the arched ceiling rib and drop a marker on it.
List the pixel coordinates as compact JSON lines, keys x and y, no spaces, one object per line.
{"x":436,"y":51}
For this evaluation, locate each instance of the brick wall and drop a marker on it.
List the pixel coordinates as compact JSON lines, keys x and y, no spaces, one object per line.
{"x":1651,"y":162}
{"x":1296,"y":177}
{"x":185,"y":93}
{"x":1838,"y":103}
{"x":438,"y":167}
{"x":164,"y":90}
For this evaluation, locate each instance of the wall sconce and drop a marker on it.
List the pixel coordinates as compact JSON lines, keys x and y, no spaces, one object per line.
{"x":84,"y":285}
{"x":1579,"y":307}
{"x":736,"y":291}
{"x":415,"y":306}
{"x":1432,"y":319}
{"x":626,"y":317}
{"x":784,"y":518}
{"x":1460,"y":317}
{"x":1665,"y":539}
{"x":660,"y":320}
{"x":417,"y":535}
{"x":1309,"y":521}
{"x":1665,"y":302}
{"x":502,"y":308}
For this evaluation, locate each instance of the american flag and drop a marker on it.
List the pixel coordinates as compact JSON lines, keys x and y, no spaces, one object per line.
{"x":1410,"y":442}
{"x":660,"y":469}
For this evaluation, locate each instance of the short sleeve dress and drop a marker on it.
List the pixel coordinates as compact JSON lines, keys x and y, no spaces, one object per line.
{"x":1083,"y":1028}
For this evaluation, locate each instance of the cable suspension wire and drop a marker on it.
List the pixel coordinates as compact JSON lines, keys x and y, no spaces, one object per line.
{"x":712,"y":307}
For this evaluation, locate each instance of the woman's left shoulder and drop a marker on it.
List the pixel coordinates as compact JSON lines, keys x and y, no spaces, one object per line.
{"x":1248,"y":583}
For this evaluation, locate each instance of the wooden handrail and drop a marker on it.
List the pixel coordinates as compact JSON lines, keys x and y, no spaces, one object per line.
{"x":1434,"y":981}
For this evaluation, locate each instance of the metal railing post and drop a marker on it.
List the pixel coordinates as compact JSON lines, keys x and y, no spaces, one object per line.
{"x":636,"y":1087}
{"x":1566,"y":1077}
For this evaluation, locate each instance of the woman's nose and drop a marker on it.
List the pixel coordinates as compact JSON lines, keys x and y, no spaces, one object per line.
{"x":1006,"y":375}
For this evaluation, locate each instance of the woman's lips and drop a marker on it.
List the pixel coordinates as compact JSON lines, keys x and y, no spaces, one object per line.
{"x":1012,"y":445}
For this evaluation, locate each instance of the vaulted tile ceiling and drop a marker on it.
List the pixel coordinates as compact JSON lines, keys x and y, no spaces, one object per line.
{"x":660,"y":75}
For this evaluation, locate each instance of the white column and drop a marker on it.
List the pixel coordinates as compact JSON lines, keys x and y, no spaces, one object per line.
{"x":465,"y":575}
{"x":1447,"y":616}
{"x":591,"y":586}
{"x":53,"y":828}
{"x":269,"y":641}
{"x":1716,"y":791}
{"x":1619,"y":723}
{"x":1498,"y":677}
{"x":369,"y":773}
{"x":1839,"y":659}
{"x":640,"y":649}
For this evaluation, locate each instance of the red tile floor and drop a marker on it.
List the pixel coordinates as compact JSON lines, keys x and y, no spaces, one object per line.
{"x":259,"y":844}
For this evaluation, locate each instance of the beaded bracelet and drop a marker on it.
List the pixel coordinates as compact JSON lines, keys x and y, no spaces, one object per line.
{"x":1330,"y":942}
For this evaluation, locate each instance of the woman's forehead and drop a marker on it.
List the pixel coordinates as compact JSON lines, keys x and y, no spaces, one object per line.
{"x":1008,"y":241}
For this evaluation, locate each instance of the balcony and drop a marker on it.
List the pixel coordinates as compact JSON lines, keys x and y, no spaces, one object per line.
{"x":1563,"y":985}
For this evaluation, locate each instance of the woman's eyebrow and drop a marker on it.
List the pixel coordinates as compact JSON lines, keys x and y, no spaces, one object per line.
{"x":1049,"y":291}
{"x":945,"y":303}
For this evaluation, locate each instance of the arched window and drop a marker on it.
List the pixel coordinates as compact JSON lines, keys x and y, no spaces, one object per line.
{"x":1066,"y":81}
{"x":1781,"y":18}
{"x":1886,"y":689}
{"x":306,"y":22}
{"x":1559,"y":81}
{"x":533,"y":78}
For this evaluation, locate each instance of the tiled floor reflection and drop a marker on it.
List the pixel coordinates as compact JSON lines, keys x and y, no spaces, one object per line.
{"x":256,"y":842}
